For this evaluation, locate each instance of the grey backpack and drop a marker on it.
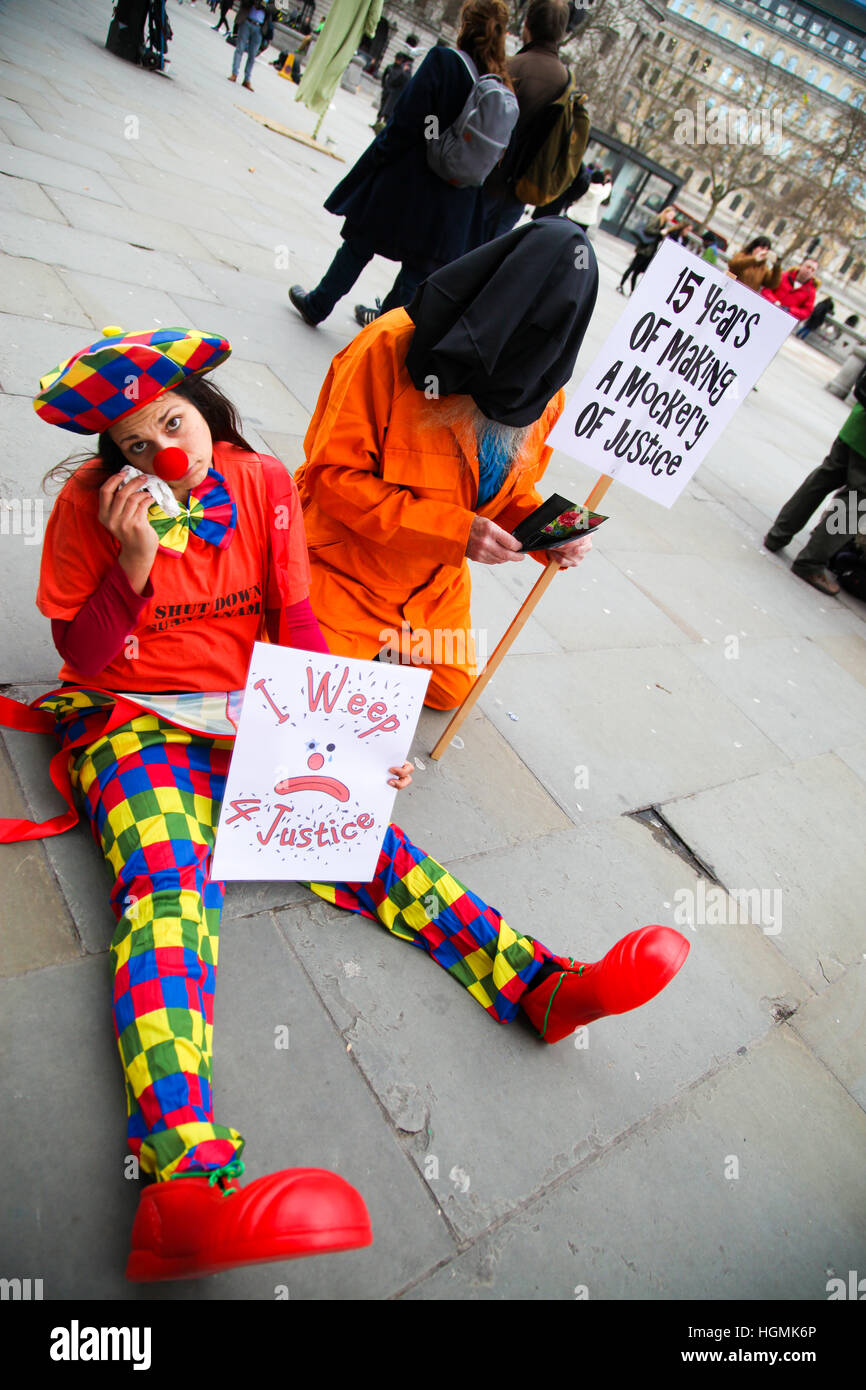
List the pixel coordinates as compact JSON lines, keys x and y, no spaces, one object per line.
{"x":465,"y":153}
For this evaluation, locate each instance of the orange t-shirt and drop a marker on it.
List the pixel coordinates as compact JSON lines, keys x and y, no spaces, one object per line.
{"x":208,"y":605}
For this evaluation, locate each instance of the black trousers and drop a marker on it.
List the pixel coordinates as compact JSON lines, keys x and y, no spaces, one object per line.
{"x":843,"y":468}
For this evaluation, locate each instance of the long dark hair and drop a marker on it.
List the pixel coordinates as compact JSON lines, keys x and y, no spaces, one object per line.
{"x":218,"y":412}
{"x":483,"y":26}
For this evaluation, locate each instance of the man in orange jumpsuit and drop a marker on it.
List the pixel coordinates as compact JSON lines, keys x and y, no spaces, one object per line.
{"x":428,"y":440}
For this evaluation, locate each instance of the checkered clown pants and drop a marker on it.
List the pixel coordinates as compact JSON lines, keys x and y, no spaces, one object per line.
{"x":153,"y":794}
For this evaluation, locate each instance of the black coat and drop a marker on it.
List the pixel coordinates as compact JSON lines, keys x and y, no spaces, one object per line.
{"x":391,"y":198}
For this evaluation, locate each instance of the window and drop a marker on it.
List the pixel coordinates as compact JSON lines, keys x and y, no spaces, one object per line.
{"x":791,"y":65}
{"x":705,"y":183}
{"x":737,"y":82}
{"x":825,"y":82}
{"x":748,"y":209}
{"x":688,"y":174}
{"x":845,"y":92}
{"x":786,"y":187}
{"x":658,"y":38}
{"x":677,"y":88}
{"x":800,"y":18}
{"x":710,"y":103}
{"x":713,"y":23}
{"x":846,"y":264}
{"x":850,"y":45}
{"x":725,"y":29}
{"x":782,"y":10}
{"x":778,"y":56}
{"x":858,"y":270}
{"x":779,"y":227}
{"x":759,"y":46}
{"x":735,"y":202}
{"x":706,"y":64}
{"x":857,"y":100}
{"x":654,"y":76}
{"x":785,"y":148}
{"x":832,"y":36}
{"x":642,"y":71}
{"x":726,"y":74}
{"x":695,"y":55}
{"x":672,"y":43}
{"x":816,"y":28}
{"x":811,"y":74}
{"x":688,"y":11}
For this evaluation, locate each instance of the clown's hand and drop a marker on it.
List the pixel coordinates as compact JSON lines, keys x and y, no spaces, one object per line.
{"x":402,"y":776}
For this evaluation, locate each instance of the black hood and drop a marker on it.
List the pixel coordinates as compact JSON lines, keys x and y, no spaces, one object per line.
{"x":504,"y":323}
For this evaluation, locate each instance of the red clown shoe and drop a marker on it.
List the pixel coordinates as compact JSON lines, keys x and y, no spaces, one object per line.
{"x":632,"y":972}
{"x":192,"y":1226}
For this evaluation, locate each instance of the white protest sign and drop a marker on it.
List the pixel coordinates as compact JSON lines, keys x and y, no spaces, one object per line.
{"x":307,"y":794}
{"x":686,"y":352}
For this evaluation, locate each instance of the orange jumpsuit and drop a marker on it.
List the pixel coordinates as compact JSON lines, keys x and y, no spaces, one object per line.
{"x":389,"y":496}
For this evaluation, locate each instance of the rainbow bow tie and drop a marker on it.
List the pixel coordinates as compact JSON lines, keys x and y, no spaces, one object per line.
{"x":211,"y":514}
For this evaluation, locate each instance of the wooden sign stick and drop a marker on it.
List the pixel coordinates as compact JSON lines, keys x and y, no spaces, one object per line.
{"x":541,"y":585}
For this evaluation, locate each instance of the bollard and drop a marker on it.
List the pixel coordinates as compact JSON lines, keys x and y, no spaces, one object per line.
{"x":848,"y":373}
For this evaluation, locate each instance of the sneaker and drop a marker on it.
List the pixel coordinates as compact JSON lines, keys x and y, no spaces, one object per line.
{"x":773,"y":545}
{"x":819,"y":580}
{"x":299,"y":299}
{"x":365,"y":315}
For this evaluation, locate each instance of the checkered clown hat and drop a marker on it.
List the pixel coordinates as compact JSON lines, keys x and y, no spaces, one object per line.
{"x":119,"y":374}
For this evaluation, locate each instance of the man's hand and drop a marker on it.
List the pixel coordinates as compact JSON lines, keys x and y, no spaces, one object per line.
{"x":573,"y":552}
{"x":490,"y":545}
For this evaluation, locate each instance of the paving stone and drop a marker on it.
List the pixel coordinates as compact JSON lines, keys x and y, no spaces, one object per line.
{"x":833,"y":1026}
{"x":35,"y":926}
{"x":791,"y":1219}
{"x":641,"y":726}
{"x":24,"y":340}
{"x":452,"y":811}
{"x":56,"y":173}
{"x":14,"y":113}
{"x":412,"y":1028}
{"x":788,"y":689}
{"x":266,"y":402}
{"x":849,"y":651}
{"x":304,"y":1106}
{"x":592,"y":607}
{"x":37,"y":291}
{"x":116,"y":302}
{"x":20,"y":196}
{"x":78,"y":250}
{"x":75,"y":153}
{"x":855,"y":757}
{"x":782,"y":829}
{"x":131,"y":227}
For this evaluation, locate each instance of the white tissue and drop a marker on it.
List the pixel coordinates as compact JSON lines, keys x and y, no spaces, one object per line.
{"x":159,"y":491}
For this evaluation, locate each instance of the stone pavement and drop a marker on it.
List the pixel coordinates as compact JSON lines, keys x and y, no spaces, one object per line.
{"x":709,"y":1145}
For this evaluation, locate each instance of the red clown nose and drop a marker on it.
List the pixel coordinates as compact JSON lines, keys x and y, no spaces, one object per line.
{"x":170,"y":464}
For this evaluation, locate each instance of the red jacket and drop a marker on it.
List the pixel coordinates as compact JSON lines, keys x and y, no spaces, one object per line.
{"x":799,"y":300}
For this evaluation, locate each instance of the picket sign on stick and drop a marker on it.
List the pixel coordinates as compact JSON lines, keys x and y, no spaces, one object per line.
{"x":680,"y":360}
{"x":517,"y":623}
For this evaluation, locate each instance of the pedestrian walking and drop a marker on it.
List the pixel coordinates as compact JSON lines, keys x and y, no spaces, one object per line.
{"x":225,"y":6}
{"x":538,"y":76}
{"x":649,"y":239}
{"x":252,"y":18}
{"x":393,"y":203}
{"x":795,"y":291}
